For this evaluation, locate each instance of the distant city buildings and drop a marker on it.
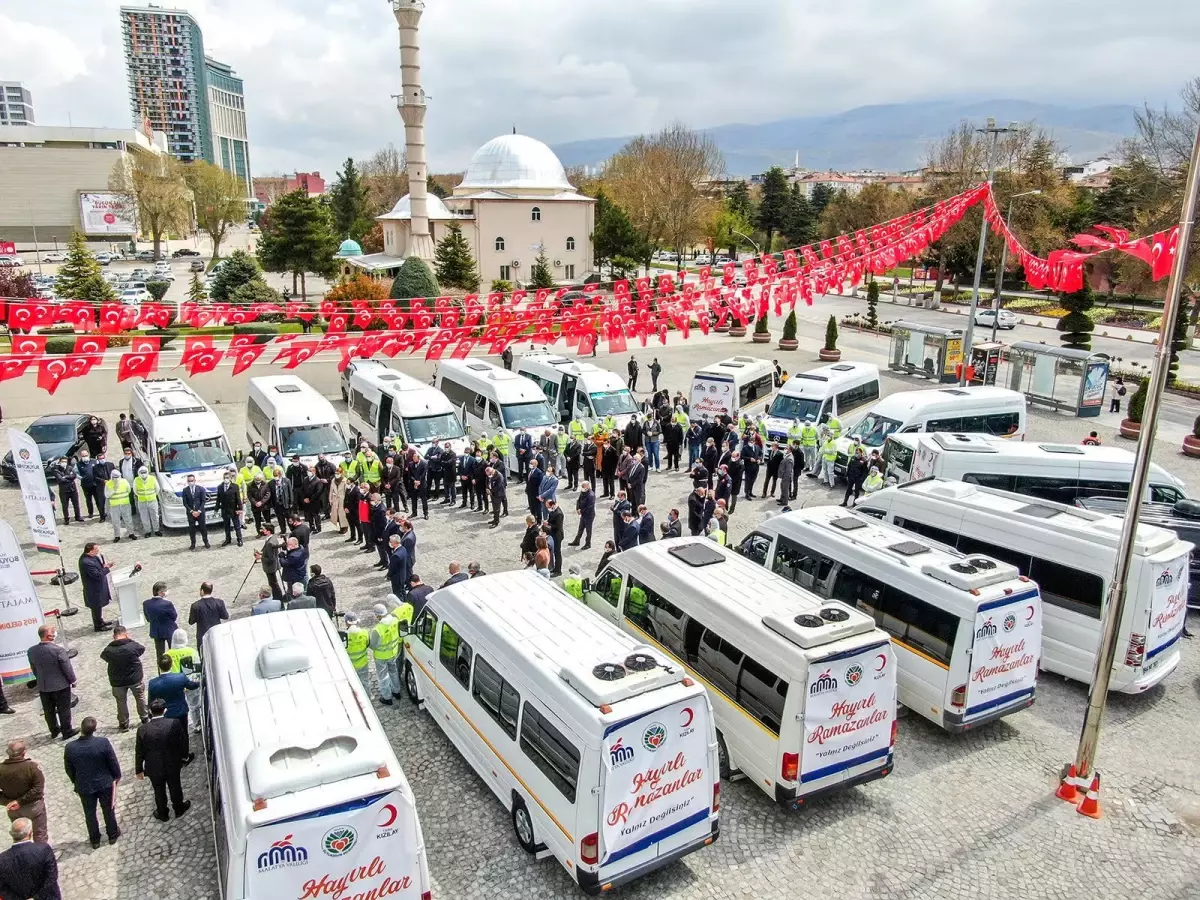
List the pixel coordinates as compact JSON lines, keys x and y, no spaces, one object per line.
{"x":269,"y":189}
{"x":16,"y":104}
{"x":227,"y":116}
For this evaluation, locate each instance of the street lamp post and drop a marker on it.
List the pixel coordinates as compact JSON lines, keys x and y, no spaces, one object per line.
{"x":757,"y":249}
{"x":1004,"y":262}
{"x":983,"y":232}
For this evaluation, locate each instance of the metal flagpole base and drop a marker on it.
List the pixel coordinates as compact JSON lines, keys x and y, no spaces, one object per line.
{"x":72,"y":651}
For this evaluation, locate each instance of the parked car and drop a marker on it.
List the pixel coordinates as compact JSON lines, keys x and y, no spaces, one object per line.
{"x":135,"y":296}
{"x":162,"y":275}
{"x":55,"y":436}
{"x":184,"y":251}
{"x":54,"y":257}
{"x":986,"y":318}
{"x":197,"y":265}
{"x":140,"y":272}
{"x":11,"y":262}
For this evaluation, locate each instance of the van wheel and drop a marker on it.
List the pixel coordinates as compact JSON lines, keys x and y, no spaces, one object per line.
{"x":410,"y":683}
{"x":723,"y":758}
{"x":523,"y":826}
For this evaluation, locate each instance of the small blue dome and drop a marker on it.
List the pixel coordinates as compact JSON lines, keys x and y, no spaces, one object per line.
{"x":350,"y":248}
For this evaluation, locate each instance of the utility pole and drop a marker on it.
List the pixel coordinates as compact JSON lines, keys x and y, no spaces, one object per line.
{"x":983,"y":233}
{"x":1003,"y":263}
{"x":1089,"y":738}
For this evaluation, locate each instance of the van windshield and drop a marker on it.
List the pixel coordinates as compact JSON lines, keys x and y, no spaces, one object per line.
{"x":186,"y":456}
{"x":310,"y":440}
{"x":873,"y":430}
{"x":785,"y":407}
{"x":897,"y":457}
{"x":427,"y":429}
{"x":613,"y":403}
{"x":528,"y":415}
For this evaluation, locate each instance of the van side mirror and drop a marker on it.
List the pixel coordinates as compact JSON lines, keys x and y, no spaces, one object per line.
{"x":587,"y":584}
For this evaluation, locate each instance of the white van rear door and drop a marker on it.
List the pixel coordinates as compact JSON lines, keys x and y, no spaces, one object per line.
{"x":1168,"y":606}
{"x":657,"y":782}
{"x":712,"y":396}
{"x":1004,"y":657}
{"x":849,"y":710}
{"x":367,"y":847}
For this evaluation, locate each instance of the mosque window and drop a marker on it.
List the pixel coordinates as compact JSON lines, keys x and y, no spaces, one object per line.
{"x":570,"y":243}
{"x":499,"y":243}
{"x":537,"y":214}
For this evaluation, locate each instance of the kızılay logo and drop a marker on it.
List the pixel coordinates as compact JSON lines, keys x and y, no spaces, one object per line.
{"x":24,"y":454}
{"x":619,"y":754}
{"x":339,"y":841}
{"x":1010,"y":622}
{"x":654,"y":736}
{"x":282,"y":853}
{"x":853,"y":675}
{"x":987,"y":629}
{"x":824,"y":682}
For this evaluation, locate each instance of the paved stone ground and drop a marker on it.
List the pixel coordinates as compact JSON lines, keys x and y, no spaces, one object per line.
{"x":966,"y":816}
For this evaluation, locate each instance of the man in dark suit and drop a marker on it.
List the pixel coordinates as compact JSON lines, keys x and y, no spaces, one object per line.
{"x":160,"y":753}
{"x":408,"y":540}
{"x":194,"y":497}
{"x":28,"y":870}
{"x":55,"y":677}
{"x":585,"y":508}
{"x":645,"y":522}
{"x":629,"y":532}
{"x":92,"y":766}
{"x":554,"y":517}
{"x":206,"y":612}
{"x":420,"y":485}
{"x":497,"y":485}
{"x":171,"y":688}
{"x":229,"y":503}
{"x":93,"y":575}
{"x":523,"y":444}
{"x":162,"y":618}
{"x":533,"y":486}
{"x":636,"y":479}
{"x":399,"y":566}
{"x":391,"y":527}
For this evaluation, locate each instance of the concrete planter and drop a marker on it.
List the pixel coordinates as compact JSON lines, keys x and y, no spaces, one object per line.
{"x":1130,"y":429}
{"x":1191,"y":446}
{"x":829,"y":355}
{"x":788,"y":344}
{"x":737,"y":331}
{"x":760,"y":337}
{"x":724,"y":329}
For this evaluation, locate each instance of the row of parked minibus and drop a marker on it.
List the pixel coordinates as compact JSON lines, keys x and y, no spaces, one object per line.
{"x":605,"y":728}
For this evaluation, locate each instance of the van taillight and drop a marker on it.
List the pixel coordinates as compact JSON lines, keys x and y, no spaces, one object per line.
{"x":958,"y":697}
{"x":589,"y":849}
{"x":1135,"y":654}
{"x":895,"y":728}
{"x":427,"y":895}
{"x":716,"y":796}
{"x":791,"y":766}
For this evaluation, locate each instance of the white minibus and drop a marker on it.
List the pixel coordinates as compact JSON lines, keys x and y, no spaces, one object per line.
{"x":740,"y":384}
{"x":803,"y":689}
{"x":845,"y":389}
{"x":602,"y":749}
{"x":284,"y":411}
{"x":579,"y":390}
{"x":982,"y":410}
{"x":384,"y":403}
{"x":182,"y":436}
{"x":1062,"y":473}
{"x":1071,"y":554}
{"x":305,"y":791}
{"x":968,"y":629}
{"x":492,"y":398}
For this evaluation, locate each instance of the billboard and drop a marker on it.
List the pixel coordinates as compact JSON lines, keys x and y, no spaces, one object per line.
{"x":20,"y":610}
{"x":35,"y":493}
{"x":106,"y":213}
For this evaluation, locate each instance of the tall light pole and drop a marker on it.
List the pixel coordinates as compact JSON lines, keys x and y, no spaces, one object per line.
{"x":1004,"y":262}
{"x":757,"y":249}
{"x":1089,"y":737}
{"x":983,"y":232}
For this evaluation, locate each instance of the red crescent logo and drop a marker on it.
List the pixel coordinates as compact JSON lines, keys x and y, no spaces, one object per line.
{"x":688,"y":716}
{"x":1032,"y":611}
{"x":391,"y":817}
{"x":882,"y":657}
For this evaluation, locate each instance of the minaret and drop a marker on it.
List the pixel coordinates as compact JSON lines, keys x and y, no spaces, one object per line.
{"x":412,"y":110}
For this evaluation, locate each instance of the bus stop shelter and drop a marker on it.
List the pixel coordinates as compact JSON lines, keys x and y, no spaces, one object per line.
{"x":926,"y":350}
{"x":1059,"y":377}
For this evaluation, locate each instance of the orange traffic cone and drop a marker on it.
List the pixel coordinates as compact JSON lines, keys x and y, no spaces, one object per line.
{"x":1068,"y":790}
{"x":1090,"y":805}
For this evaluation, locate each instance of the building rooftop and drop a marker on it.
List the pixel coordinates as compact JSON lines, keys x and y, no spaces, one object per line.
{"x":434,"y":206}
{"x":515,"y":161}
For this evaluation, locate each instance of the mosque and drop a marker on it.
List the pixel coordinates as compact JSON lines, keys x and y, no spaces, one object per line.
{"x":513,"y":204}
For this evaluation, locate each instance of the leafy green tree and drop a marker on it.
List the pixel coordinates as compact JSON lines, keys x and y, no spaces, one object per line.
{"x":94,"y":289}
{"x":821,"y":195}
{"x":414,"y":280}
{"x":79,"y":266}
{"x":539,"y":275}
{"x":614,"y":235}
{"x":197,"y":292}
{"x":1075,"y":325}
{"x":255,"y":291}
{"x":774,"y":206}
{"x":219,"y":198}
{"x":298,"y":237}
{"x":239,"y":269}
{"x":157,"y":288}
{"x":153,"y":184}
{"x":873,"y":303}
{"x":453,"y":262}
{"x":499,"y":284}
{"x":1179,"y":339}
{"x":800,"y":225}
{"x":831,"y":334}
{"x":1137,"y":403}
{"x":348,"y":204}
{"x":789,"y":326}
{"x":437,"y":190}
{"x":741,"y":202}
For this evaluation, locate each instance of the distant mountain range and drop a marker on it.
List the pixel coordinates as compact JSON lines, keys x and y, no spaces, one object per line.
{"x":890,"y":138}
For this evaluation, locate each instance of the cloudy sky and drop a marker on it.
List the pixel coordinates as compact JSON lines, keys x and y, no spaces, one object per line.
{"x":319,"y":72}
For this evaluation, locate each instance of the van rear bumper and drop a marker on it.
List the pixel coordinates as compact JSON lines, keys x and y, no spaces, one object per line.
{"x":591,"y":884}
{"x":954,"y":723}
{"x":1147,"y":680}
{"x":786,"y":796}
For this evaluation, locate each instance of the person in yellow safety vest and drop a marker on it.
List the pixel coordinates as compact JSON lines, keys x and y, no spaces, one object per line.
{"x":610,"y":424}
{"x":598,"y":428}
{"x":358,"y":640}
{"x":835,"y":427}
{"x":402,"y":611}
{"x":576,"y":430}
{"x":573,"y":583}
{"x":186,"y":660}
{"x":560,"y":442}
{"x":372,"y":469}
{"x":873,"y":481}
{"x":503,"y":445}
{"x":761,"y":424}
{"x":347,"y":466}
{"x":635,"y":606}
{"x":145,"y":489}
{"x":806,"y":435}
{"x":385,"y":647}
{"x":714,"y":532}
{"x":828,"y":457}
{"x":741,"y":424}
{"x":361,"y":456}
{"x":682,"y":418}
{"x":245,"y":476}
{"x":117,"y":490}
{"x":482,"y":441}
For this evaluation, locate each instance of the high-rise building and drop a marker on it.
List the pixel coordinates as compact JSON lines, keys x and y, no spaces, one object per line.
{"x":16,"y":104}
{"x":227,"y":118}
{"x":164,"y":55}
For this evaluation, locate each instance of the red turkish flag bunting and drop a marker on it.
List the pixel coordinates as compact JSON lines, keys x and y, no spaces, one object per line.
{"x":28,"y":344}
{"x":199,"y":355}
{"x":30,"y":314}
{"x":297,"y":352}
{"x":78,"y":314}
{"x":143,"y":344}
{"x":13,"y":366}
{"x":90,"y":345}
{"x":246,"y":356}
{"x":53,"y":371}
{"x":137,"y":365}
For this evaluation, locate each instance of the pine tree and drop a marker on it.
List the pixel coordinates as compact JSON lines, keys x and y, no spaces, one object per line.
{"x":414,"y":280}
{"x":94,"y":289}
{"x":614,"y":235}
{"x":197,"y":292}
{"x":348,"y":204}
{"x":79,"y":266}
{"x":453,"y":263}
{"x":298,"y":237}
{"x":1075,"y":325}
{"x":873,"y":304}
{"x":799,"y":225}
{"x":821,"y":195}
{"x":740,"y":202}
{"x":775,"y":205}
{"x":240,"y":268}
{"x":539,"y":275}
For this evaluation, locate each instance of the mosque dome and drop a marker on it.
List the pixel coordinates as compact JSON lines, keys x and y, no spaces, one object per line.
{"x":515,"y":161}
{"x":350,"y":248}
{"x":434,"y":208}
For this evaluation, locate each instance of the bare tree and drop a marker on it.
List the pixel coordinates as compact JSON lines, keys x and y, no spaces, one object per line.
{"x":220,"y":200}
{"x":385,"y":178}
{"x":154,"y":184}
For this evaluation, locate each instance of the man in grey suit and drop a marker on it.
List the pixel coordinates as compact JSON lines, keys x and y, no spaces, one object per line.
{"x":55,"y":677}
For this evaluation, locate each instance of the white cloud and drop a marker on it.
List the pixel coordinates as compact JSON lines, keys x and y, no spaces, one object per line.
{"x":319,"y":74}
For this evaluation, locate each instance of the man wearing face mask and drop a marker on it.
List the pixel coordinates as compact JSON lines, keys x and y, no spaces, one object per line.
{"x":194,"y":498}
{"x":65,"y":474}
{"x":324,"y":471}
{"x":118,"y":491}
{"x":95,"y":433}
{"x":258,"y":454}
{"x":284,"y":499}
{"x":128,"y":466}
{"x":229,"y":502}
{"x":145,"y":490}
{"x":92,"y":475}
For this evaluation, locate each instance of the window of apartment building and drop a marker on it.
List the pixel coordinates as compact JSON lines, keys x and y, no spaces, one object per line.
{"x":499,"y":244}
{"x":569,"y":272}
{"x":506,"y":273}
{"x":537,"y":214}
{"x":570,"y":243}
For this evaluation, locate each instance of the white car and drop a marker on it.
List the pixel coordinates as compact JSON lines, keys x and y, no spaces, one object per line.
{"x":135,"y":296}
{"x":55,"y":257}
{"x":162,"y":275}
{"x":11,"y":262}
{"x":987,"y":318}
